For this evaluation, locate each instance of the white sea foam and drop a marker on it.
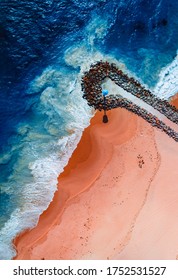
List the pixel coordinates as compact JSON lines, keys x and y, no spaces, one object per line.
{"x":42,"y":156}
{"x":167,"y":85}
{"x":37,"y":195}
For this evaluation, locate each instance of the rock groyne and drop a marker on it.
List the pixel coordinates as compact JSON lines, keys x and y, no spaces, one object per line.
{"x":92,"y":88}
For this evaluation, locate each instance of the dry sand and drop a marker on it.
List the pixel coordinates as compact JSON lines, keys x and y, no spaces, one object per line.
{"x":117,"y":198}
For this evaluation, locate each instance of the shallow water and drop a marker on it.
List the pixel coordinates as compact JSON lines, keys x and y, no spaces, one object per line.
{"x":45,"y":47}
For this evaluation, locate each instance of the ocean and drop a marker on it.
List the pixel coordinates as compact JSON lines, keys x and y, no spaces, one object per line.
{"x":45,"y":46}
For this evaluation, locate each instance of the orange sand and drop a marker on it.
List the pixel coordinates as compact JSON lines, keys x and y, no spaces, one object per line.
{"x":174,"y":100}
{"x":117,"y":198}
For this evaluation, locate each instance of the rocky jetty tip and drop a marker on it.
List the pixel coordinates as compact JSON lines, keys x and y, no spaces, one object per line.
{"x":92,"y":89}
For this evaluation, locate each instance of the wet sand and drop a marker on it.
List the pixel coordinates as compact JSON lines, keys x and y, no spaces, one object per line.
{"x":116,"y":199}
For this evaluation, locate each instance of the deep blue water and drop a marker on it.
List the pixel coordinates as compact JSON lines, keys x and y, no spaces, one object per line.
{"x":43,"y":49}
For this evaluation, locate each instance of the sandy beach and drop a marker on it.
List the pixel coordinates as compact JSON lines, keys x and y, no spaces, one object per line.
{"x":116,"y":199}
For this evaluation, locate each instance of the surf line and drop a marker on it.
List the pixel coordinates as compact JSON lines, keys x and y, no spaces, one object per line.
{"x":129,"y":93}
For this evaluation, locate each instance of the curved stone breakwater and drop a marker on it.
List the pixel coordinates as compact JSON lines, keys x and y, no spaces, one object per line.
{"x":91,"y":86}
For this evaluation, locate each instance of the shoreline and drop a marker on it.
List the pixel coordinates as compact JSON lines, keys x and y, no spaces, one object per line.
{"x":80,"y":233}
{"x":76,"y":158}
{"x":81,"y":155}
